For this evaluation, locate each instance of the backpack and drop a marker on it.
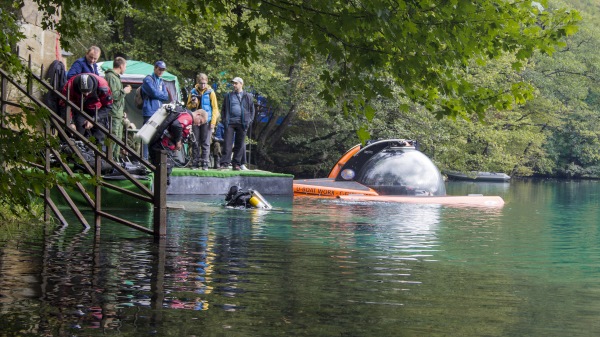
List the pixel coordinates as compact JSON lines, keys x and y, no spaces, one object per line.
{"x":139,"y":96}
{"x":138,"y":100}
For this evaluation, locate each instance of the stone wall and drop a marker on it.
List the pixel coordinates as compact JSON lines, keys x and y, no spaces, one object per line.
{"x":42,"y":45}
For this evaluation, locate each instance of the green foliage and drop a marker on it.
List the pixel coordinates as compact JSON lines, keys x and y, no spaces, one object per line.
{"x":12,"y":220}
{"x":21,"y":141}
{"x":567,"y":81}
{"x":509,"y":75}
{"x":10,"y":34}
{"x":24,"y":143}
{"x":420,"y":46}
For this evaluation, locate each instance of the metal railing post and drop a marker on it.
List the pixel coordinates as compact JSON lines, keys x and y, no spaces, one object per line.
{"x":160,"y":194}
{"x":98,"y":192}
{"x":47,"y":157}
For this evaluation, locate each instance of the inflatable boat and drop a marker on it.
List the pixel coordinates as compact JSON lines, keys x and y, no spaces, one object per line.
{"x":391,"y":170}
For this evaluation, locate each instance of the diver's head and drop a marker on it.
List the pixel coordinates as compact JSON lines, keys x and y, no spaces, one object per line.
{"x":233,"y":190}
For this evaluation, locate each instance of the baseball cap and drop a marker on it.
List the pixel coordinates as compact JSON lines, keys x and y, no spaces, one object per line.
{"x":160,"y":64}
{"x":238,"y":79}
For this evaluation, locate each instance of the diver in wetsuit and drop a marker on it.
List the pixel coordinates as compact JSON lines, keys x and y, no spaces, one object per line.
{"x":237,"y":197}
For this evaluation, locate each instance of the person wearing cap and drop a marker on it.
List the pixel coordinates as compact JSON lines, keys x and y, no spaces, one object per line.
{"x":113,"y":77}
{"x":154,"y":93}
{"x":86,"y":64}
{"x":203,"y":97}
{"x":237,"y":113}
{"x":93,"y":92}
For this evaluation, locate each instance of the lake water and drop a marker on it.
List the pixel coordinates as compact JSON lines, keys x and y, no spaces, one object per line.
{"x":314,"y":267}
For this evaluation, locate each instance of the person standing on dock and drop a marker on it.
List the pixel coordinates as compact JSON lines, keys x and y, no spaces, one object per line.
{"x":86,"y":64}
{"x":203,"y":97}
{"x":113,"y":77}
{"x":154,"y":93}
{"x":237,"y":115}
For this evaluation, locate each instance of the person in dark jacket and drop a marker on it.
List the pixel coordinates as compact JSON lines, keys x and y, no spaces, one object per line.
{"x":86,"y":64}
{"x":57,"y":77}
{"x":96,"y":96}
{"x":237,"y":114}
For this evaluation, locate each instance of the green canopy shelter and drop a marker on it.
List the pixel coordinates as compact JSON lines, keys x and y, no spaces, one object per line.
{"x":134,"y":75}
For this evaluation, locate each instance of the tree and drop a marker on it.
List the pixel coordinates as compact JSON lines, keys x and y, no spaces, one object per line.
{"x":567,"y":81}
{"x":355,"y":56}
{"x":418,"y":46}
{"x":20,"y":141}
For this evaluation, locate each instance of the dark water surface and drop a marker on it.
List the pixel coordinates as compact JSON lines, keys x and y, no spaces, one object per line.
{"x":320,"y":268}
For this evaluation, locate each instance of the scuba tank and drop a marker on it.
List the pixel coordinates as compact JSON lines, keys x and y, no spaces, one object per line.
{"x":149,"y":129}
{"x":258,"y":201}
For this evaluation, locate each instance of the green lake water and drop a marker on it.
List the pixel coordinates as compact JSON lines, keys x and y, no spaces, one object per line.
{"x":313,"y":267}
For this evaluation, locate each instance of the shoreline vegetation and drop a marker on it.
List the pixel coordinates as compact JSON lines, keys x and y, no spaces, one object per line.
{"x":21,"y":220}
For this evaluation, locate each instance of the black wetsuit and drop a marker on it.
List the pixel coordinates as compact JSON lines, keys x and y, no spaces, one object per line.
{"x":238,"y":198}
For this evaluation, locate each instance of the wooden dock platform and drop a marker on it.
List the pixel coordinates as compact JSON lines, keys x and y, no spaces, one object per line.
{"x":187,"y":182}
{"x":213,"y":182}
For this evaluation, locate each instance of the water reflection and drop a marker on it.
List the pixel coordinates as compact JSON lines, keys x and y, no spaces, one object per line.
{"x":319,"y":268}
{"x":99,"y":282}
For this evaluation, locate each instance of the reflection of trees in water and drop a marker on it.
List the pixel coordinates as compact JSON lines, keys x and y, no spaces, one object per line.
{"x":94,"y":283}
{"x":320,"y":262}
{"x":86,"y":281}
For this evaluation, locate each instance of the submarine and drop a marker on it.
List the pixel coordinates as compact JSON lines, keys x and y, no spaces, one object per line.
{"x":391,"y":170}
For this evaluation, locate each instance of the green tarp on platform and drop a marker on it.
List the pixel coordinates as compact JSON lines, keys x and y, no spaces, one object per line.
{"x":178,"y":172}
{"x":111,"y":199}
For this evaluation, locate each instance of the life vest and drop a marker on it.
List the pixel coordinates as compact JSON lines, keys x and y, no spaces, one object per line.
{"x":186,"y":120}
{"x":205,"y":103}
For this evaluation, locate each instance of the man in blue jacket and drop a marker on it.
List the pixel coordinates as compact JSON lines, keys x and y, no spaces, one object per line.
{"x":154,"y":94}
{"x":86,"y":64}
